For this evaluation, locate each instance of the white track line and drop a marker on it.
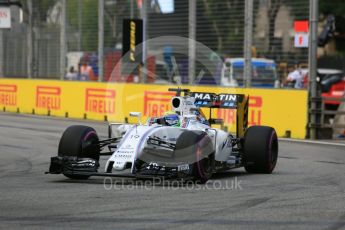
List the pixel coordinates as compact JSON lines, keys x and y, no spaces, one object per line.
{"x":313,"y":142}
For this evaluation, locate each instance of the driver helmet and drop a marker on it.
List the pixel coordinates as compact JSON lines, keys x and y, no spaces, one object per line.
{"x":172,"y":119}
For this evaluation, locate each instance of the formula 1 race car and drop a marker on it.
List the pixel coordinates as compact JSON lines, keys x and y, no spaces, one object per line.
{"x":179,"y":145}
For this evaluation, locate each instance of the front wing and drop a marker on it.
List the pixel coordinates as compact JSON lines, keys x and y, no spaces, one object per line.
{"x":89,"y":167}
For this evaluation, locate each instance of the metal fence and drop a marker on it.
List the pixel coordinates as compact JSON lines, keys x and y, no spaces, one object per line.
{"x":51,"y":36}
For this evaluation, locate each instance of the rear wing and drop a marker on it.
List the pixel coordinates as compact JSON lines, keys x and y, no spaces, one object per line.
{"x":239,"y":102}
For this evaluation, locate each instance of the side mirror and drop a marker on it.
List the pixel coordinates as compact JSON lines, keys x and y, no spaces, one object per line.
{"x":136,"y":114}
{"x":214,"y":121}
{"x":110,"y":128}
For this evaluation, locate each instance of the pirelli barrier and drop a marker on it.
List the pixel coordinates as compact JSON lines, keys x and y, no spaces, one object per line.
{"x":285,"y":110}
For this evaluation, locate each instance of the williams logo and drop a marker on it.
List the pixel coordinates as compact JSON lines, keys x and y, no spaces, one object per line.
{"x":48,"y":97}
{"x":100,"y":101}
{"x":156,"y":103}
{"x":254,"y":115}
{"x":8,"y":95}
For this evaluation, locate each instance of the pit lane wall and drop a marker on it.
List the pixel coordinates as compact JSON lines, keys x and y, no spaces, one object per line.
{"x":285,"y":110}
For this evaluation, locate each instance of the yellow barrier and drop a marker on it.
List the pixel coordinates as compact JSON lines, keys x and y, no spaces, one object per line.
{"x":285,"y":110}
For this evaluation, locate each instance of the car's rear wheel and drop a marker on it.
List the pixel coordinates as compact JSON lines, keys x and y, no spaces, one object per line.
{"x":199,"y":147}
{"x":81,"y":142}
{"x":260,"y":149}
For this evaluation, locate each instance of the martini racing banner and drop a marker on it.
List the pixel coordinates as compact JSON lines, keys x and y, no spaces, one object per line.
{"x":285,"y":110}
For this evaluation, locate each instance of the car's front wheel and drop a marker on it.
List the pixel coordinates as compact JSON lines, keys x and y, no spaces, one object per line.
{"x":199,"y":147}
{"x":81,"y":142}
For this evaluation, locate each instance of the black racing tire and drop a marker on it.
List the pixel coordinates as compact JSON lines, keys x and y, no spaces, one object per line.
{"x":78,"y":141}
{"x":260,"y":149}
{"x":198,"y":145}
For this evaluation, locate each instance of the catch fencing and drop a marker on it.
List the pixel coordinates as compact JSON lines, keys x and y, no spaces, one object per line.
{"x":47,"y":38}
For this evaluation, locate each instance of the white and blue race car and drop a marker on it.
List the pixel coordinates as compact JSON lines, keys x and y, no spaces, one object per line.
{"x":181,"y":144}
